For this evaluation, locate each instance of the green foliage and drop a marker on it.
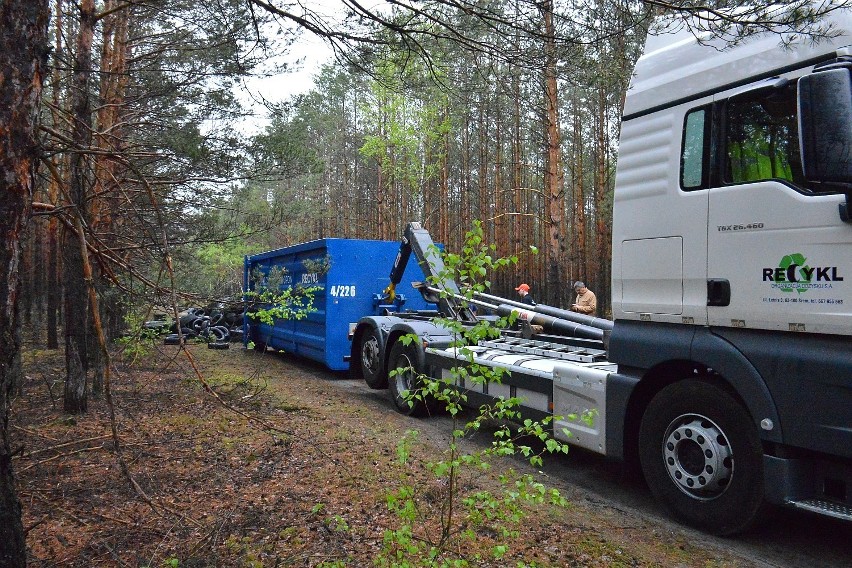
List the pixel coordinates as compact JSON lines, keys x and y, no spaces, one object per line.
{"x":465,"y":513}
{"x":471,"y":269}
{"x":138,"y":340}
{"x":251,"y":552}
{"x":317,"y":265}
{"x":284,"y":149}
{"x":337,"y":523}
{"x":274,"y":297}
{"x":406,"y":129}
{"x":220,"y":267}
{"x":290,"y":304}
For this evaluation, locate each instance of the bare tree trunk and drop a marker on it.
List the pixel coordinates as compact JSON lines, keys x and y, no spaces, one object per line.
{"x":517,"y":173}
{"x":380,"y":200}
{"x":483,"y":210}
{"x":399,"y":189}
{"x":54,"y":293}
{"x":105,"y":212}
{"x":579,"y":243}
{"x":382,"y":174}
{"x":23,"y":33}
{"x":501,"y":234}
{"x":601,"y":275}
{"x":463,"y":218}
{"x":554,"y":196}
{"x":38,"y":283}
{"x":76,"y":297}
{"x":444,"y":188}
{"x":27,"y":276}
{"x":345,"y":181}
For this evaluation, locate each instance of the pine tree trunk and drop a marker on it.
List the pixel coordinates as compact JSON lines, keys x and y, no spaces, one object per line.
{"x":463,"y":217}
{"x":579,"y":243}
{"x":54,"y":292}
{"x":106,"y":204}
{"x":501,"y":234}
{"x":554,"y":196}
{"x":23,"y":37}
{"x":27,"y":271}
{"x":484,"y":212}
{"x":38,"y":283}
{"x":76,"y":298}
{"x":517,"y":165}
{"x":444,"y":189}
{"x":602,"y":244}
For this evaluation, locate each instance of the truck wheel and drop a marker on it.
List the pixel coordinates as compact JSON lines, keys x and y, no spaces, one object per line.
{"x":702,"y":458}
{"x":409,"y":358}
{"x":372,"y":360}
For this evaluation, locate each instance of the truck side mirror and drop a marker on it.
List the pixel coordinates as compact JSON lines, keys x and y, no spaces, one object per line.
{"x":825,"y":131}
{"x":825,"y":126}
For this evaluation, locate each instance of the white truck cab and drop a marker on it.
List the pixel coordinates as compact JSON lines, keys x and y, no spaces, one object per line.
{"x":732,"y":275}
{"x":711,"y":192}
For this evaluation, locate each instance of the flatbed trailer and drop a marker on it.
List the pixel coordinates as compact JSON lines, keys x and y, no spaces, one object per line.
{"x":554,"y":365}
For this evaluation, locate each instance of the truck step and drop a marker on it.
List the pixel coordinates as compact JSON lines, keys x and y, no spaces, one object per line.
{"x":828,"y":508}
{"x":546,"y":349}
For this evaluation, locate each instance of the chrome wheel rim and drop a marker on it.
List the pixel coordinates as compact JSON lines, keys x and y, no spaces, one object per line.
{"x":405,"y":374}
{"x":698,"y":456}
{"x":370,"y":355}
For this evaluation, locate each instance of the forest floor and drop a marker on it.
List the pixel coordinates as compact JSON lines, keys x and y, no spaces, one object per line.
{"x":279,"y":463}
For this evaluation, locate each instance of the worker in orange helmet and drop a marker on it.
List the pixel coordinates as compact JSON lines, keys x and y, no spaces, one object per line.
{"x":524,"y":293}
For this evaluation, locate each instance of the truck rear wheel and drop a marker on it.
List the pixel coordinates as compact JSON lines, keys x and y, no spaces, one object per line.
{"x":372,"y":360}
{"x":701,"y":457}
{"x":409,"y":361}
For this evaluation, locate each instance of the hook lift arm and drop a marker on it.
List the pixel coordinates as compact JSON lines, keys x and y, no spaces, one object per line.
{"x":416,"y":239}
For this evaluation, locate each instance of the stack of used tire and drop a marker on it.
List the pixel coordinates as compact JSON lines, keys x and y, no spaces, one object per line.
{"x":218,"y":324}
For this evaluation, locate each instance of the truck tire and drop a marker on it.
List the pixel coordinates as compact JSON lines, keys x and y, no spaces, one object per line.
{"x":406,"y":357}
{"x":702,"y":458}
{"x":372,"y":359}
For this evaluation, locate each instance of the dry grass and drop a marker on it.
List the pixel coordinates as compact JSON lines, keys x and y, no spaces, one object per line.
{"x":298,"y":477}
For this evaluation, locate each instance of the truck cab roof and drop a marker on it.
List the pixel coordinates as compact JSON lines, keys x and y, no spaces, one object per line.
{"x":678,"y":66}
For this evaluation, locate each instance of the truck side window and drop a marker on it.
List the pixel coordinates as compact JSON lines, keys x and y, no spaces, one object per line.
{"x":693,"y":156}
{"x":762,"y":138}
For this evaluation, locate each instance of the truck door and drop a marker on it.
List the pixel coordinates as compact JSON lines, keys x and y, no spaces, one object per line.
{"x":779,"y":255}
{"x":659,"y":240}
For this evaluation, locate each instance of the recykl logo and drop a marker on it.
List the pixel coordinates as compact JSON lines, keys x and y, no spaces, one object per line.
{"x":793,"y":273}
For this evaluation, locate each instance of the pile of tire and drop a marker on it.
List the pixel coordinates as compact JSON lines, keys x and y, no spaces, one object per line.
{"x":219,"y":327}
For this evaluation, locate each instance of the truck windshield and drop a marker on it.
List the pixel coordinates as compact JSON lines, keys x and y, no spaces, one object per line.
{"x":762,"y":138}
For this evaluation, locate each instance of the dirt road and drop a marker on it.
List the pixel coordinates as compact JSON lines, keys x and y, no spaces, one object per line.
{"x":789,"y":539}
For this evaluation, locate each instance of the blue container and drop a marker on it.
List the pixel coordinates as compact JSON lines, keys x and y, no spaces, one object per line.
{"x":351,"y":275}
